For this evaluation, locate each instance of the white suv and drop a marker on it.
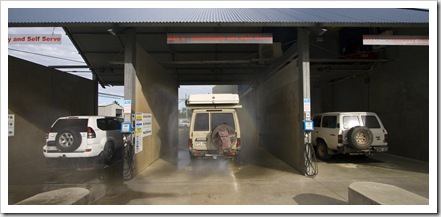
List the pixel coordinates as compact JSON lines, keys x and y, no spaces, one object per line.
{"x":84,"y":136}
{"x":348,"y":133}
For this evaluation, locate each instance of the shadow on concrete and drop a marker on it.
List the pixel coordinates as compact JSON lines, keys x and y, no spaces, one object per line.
{"x":262,"y":158}
{"x":356,"y":159}
{"x":383,"y":160}
{"x":317,"y":199}
{"x":122,"y":195}
{"x":90,"y":173}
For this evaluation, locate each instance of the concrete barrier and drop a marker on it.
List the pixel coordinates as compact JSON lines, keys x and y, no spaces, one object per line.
{"x":63,"y":196}
{"x":372,"y":193}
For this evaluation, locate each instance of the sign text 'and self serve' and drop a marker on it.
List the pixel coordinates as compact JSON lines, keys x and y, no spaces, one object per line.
{"x":34,"y":39}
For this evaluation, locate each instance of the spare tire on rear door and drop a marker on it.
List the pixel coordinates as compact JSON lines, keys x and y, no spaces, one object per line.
{"x":360,"y":137}
{"x":68,"y":139}
{"x":223,"y":137}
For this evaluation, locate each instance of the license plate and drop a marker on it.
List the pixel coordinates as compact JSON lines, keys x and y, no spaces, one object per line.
{"x":381,"y":149}
{"x":51,"y":148}
{"x":200,"y":143}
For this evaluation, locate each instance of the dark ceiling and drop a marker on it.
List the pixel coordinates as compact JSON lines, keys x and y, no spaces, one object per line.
{"x":190,"y":63}
{"x":200,"y":64}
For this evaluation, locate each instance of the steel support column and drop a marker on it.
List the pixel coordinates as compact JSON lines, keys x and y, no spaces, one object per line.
{"x":129,"y":94}
{"x":305,"y":103}
{"x":129,"y":70}
{"x":304,"y":72}
{"x":95,"y":94}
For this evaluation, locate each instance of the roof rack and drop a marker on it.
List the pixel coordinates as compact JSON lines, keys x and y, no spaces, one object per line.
{"x":213,"y":101}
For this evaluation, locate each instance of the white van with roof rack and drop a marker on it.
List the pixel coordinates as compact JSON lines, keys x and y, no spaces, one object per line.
{"x":214,"y":127}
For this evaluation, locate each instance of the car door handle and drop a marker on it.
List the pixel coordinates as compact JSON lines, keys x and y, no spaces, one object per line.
{"x":332,"y":134}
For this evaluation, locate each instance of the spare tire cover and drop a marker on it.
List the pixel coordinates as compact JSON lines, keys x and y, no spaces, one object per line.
{"x":68,"y":140}
{"x":360,"y":137}
{"x":223,"y":137}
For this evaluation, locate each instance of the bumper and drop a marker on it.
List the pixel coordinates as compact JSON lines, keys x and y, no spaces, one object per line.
{"x":214,"y":154}
{"x":370,"y":150}
{"x":90,"y":152}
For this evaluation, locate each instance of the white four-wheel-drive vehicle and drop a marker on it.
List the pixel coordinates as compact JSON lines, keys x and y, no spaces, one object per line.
{"x":84,"y":136}
{"x":214,"y":127}
{"x":348,"y":133}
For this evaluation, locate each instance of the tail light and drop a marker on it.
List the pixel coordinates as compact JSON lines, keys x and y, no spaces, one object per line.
{"x":90,"y":133}
{"x":385,"y":138}
{"x":238,"y":144}
{"x":190,"y":143}
{"x":340,"y":138}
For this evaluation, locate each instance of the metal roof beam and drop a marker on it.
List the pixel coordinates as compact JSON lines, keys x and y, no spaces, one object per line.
{"x":69,"y":67}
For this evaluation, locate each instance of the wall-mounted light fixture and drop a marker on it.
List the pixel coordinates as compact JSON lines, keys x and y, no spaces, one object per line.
{"x":112,"y":32}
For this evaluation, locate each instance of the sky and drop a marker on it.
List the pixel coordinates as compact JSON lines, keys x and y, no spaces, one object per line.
{"x":66,"y":54}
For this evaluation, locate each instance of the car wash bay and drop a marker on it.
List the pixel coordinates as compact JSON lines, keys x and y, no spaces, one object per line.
{"x":329,"y":68}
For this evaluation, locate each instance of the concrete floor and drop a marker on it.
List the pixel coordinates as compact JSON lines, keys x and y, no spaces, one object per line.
{"x":259,"y":179}
{"x":262,"y":179}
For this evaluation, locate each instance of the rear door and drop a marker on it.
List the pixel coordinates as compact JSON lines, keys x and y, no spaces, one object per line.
{"x":201,"y":129}
{"x":74,"y":123}
{"x":373,"y":123}
{"x":224,"y":118}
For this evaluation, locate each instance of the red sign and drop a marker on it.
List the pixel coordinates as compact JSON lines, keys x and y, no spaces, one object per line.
{"x":34,"y":39}
{"x":395,"y":40}
{"x":221,"y":38}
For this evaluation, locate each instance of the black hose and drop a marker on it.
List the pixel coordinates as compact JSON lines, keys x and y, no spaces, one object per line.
{"x":311,"y":167}
{"x":128,"y":161}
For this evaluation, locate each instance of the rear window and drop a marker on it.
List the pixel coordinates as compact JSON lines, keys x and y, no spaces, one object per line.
{"x":201,"y":122}
{"x":350,"y":121}
{"x":108,"y":124}
{"x":222,"y":118}
{"x":370,"y":121}
{"x":78,"y":124}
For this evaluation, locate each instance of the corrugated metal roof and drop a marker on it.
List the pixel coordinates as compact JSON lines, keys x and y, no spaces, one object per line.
{"x":287,"y":16}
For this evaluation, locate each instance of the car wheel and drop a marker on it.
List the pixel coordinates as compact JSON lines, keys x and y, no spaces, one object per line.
{"x":108,"y":153}
{"x":68,"y":140}
{"x":360,"y":137}
{"x":322,"y":150}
